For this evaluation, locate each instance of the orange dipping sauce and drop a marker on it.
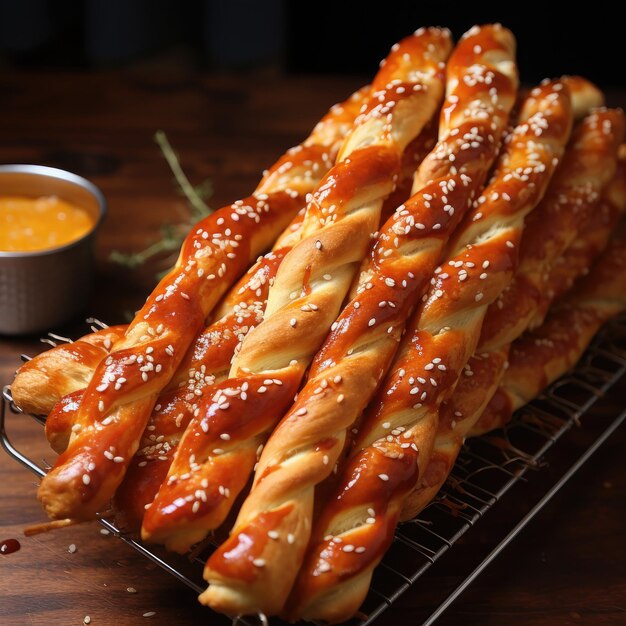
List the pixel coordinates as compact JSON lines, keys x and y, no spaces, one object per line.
{"x":33,"y":224}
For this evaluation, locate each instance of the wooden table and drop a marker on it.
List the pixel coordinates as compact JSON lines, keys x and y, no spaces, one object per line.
{"x":569,"y":567}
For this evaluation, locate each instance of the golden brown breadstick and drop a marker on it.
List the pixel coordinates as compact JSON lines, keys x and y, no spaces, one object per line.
{"x":481,"y":82}
{"x":119,"y":398}
{"x":311,"y":283}
{"x":210,"y":352}
{"x":487,"y":368}
{"x":397,"y":432}
{"x":576,"y":262}
{"x":41,"y":382}
{"x":50,"y":376}
{"x":588,"y":165}
{"x":539,"y":357}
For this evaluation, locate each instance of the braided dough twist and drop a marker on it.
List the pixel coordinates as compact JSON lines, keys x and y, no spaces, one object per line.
{"x":120,"y":396}
{"x":206,"y":363}
{"x":394,"y":440}
{"x":539,"y":357}
{"x":302,"y":451}
{"x":588,"y":166}
{"x":210,"y":353}
{"x":41,"y":382}
{"x":579,"y":257}
{"x":67,"y":368}
{"x":552,"y":355}
{"x":485,"y":369}
{"x":39,"y":386}
{"x":306,"y":296}
{"x":203,"y":367}
{"x":573,"y":196}
{"x":304,"y":300}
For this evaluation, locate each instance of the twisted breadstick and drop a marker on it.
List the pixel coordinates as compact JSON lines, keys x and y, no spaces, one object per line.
{"x":210,"y":352}
{"x":584,"y":94}
{"x":588,"y":164}
{"x":484,"y":370}
{"x":481,"y":85}
{"x":46,"y":378}
{"x":206,"y":363}
{"x":539,"y":357}
{"x":50,"y":376}
{"x":576,"y":261}
{"x":203,"y":367}
{"x":119,"y":398}
{"x":579,"y":257}
{"x":219,"y":448}
{"x":397,"y":432}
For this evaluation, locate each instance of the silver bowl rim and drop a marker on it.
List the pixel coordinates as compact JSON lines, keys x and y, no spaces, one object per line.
{"x":70,"y":177}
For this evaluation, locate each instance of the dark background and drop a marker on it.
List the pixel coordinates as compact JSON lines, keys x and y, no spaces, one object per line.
{"x":294,"y":37}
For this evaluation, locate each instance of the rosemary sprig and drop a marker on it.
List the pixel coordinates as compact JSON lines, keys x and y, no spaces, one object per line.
{"x":172,"y":235}
{"x":194,"y":194}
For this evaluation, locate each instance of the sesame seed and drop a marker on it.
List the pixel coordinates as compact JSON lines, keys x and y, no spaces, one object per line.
{"x":258,"y":562}
{"x":372,"y":321}
{"x":291,"y":538}
{"x":383,"y":477}
{"x":149,"y":614}
{"x":340,"y":398}
{"x":101,"y":406}
{"x":86,"y":619}
{"x":272,"y":534}
{"x":86,"y":479}
{"x":71,"y":548}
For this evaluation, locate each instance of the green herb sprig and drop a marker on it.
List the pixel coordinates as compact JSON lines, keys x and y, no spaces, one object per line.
{"x":172,"y":235}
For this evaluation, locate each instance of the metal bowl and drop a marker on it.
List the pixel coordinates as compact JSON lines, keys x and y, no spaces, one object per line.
{"x":44,"y":289}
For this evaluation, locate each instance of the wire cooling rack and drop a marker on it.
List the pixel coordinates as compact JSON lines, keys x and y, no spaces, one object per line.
{"x":487,"y":468}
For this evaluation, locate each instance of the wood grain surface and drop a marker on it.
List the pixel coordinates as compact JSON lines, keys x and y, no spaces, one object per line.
{"x":568,"y":567}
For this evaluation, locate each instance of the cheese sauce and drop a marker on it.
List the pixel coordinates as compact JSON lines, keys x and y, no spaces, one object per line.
{"x":33,"y":224}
